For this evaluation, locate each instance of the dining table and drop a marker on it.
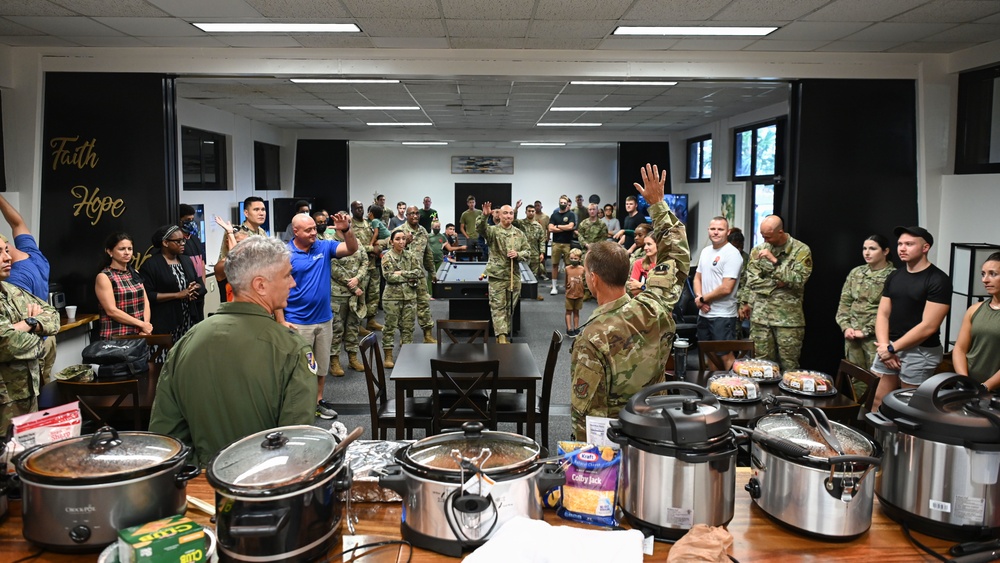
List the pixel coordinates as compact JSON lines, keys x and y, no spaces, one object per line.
{"x":518,"y":370}
{"x":756,"y":537}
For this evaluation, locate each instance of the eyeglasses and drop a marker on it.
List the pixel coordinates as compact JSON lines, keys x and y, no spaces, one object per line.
{"x":176,"y":240}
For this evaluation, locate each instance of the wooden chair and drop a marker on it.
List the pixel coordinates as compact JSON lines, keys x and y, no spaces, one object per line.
{"x":710,"y":352}
{"x":466,"y":380}
{"x":457,"y":331}
{"x":512,"y":407}
{"x":847,"y":373}
{"x":417,"y":410}
{"x":116,"y":413}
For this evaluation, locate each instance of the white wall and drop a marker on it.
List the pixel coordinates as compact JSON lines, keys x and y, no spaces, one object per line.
{"x":410,"y":173}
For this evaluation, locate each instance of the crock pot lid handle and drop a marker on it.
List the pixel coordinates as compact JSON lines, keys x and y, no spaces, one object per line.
{"x":473,"y":429}
{"x":643,"y":396}
{"x":99,"y":444}
{"x":274,"y":441}
{"x":927,"y":396}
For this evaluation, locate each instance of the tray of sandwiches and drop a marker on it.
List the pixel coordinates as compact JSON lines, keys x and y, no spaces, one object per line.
{"x":808,"y":383}
{"x":734,"y":388}
{"x":761,"y":371}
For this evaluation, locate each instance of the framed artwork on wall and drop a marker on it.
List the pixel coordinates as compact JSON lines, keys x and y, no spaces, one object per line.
{"x":482,"y":165}
{"x":728,"y":209}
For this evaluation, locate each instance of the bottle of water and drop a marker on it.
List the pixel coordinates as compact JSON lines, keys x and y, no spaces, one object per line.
{"x":680,"y":358}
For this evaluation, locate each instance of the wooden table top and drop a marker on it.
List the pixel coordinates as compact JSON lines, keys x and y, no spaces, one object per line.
{"x":516,"y":360}
{"x":81,"y":319}
{"x":757,"y":538}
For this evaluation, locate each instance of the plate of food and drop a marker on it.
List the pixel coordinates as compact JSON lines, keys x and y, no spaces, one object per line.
{"x":734,"y":388}
{"x":808,"y":383}
{"x":762,"y":371}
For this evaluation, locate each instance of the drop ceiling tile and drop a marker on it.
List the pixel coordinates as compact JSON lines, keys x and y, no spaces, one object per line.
{"x":33,"y":40}
{"x":410,"y":42}
{"x":571,"y":9}
{"x":333,"y":40}
{"x":785,"y":46}
{"x":396,"y":27}
{"x":151,"y":27}
{"x":568,"y":44}
{"x":637,"y":43}
{"x":767,"y":10}
{"x":658,"y":12}
{"x":122,"y":8}
{"x":257,"y":40}
{"x":967,"y":33}
{"x":859,"y":46}
{"x":206,"y":41}
{"x":950,"y":11}
{"x":711,"y":44}
{"x":816,"y":31}
{"x":572,"y":29}
{"x":118,"y":41}
{"x":65,"y":26}
{"x":897,"y":32}
{"x":415,"y":9}
{"x":990,"y":19}
{"x":8,"y":27}
{"x":315,"y":10}
{"x":228,"y":10}
{"x":862,"y":10}
{"x":488,"y":9}
{"x":484,"y":29}
{"x":32,"y":8}
{"x":935,"y":47}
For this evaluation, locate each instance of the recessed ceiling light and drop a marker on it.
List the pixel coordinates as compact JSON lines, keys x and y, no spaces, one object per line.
{"x":590,"y":109}
{"x":400,"y":124}
{"x":278,"y":27}
{"x":568,"y":124}
{"x":424,"y":143}
{"x":692,"y":31}
{"x":343,"y":81}
{"x":624,"y":82}
{"x":382,"y":108}
{"x":543,"y":144}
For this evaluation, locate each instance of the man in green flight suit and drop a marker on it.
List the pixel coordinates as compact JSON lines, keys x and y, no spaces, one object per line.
{"x":239,"y":371}
{"x":508,"y":246}
{"x":625,"y":344}
{"x":418,"y":245}
{"x":777,"y":273}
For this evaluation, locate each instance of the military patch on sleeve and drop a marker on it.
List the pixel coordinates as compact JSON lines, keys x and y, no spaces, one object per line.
{"x":808,"y":262}
{"x":311,"y":362}
{"x":580,"y":388}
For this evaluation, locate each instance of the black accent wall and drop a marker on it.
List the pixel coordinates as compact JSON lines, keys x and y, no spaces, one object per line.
{"x":632,"y":157}
{"x":853,"y":172}
{"x":322,"y":171}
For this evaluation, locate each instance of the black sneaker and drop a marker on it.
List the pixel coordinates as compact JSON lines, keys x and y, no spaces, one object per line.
{"x":324,"y":410}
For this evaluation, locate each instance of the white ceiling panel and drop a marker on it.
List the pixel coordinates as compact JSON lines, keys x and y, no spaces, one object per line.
{"x":637,"y":43}
{"x":11,"y":28}
{"x":402,"y":27}
{"x":481,"y":28}
{"x":926,"y":47}
{"x":572,"y":9}
{"x":34,"y":40}
{"x":331,"y":40}
{"x":968,"y":34}
{"x":486,"y":43}
{"x":572,"y":29}
{"x":65,"y":26}
{"x":862,"y":10}
{"x":316,"y":10}
{"x":767,"y":10}
{"x":565,"y":44}
{"x":410,"y":42}
{"x":898,"y":32}
{"x":32,"y":8}
{"x":415,"y":9}
{"x":950,"y":11}
{"x":228,"y":9}
{"x":815,"y":31}
{"x":159,"y":27}
{"x":122,"y":8}
{"x":858,"y":46}
{"x":260,"y":41}
{"x":104,"y":41}
{"x":711,"y":44}
{"x":787,"y":46}
{"x":488,"y":9}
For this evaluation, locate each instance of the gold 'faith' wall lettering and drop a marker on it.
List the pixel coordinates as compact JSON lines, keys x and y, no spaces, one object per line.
{"x":67,"y":151}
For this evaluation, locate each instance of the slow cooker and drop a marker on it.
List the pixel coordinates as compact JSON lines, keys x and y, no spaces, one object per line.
{"x":279,"y":495}
{"x":941,"y":474}
{"x":460,"y":487}
{"x":823,"y":488}
{"x":678,"y":459}
{"x":77,"y":493}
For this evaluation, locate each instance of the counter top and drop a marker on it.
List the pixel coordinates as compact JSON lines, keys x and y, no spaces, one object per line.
{"x":80,"y":320}
{"x":757,"y":538}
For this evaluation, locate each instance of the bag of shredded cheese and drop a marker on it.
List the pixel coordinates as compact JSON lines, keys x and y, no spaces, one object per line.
{"x":591,"y":484}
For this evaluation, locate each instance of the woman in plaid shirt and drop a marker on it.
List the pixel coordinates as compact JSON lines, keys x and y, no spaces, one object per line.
{"x":124,"y":306}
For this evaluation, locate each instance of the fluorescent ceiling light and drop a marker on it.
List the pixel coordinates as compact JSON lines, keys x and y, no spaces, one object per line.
{"x":343,"y":81}
{"x":278,"y":27}
{"x":568,"y":124}
{"x":590,"y":109}
{"x":425,"y":143}
{"x":624,"y":82}
{"x":543,"y":144}
{"x":689,"y":31}
{"x":399,"y":124}
{"x":382,"y":108}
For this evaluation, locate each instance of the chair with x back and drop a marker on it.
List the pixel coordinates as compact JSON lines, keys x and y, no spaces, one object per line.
{"x":710,"y":352}
{"x":512,"y":407}
{"x":466,"y":381}
{"x":105,"y":402}
{"x":416,"y":410}
{"x":462,"y":331}
{"x":847,"y":374}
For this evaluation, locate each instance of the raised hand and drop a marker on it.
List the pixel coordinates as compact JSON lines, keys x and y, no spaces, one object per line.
{"x":487,"y":208}
{"x":341,"y":221}
{"x":653,"y":182}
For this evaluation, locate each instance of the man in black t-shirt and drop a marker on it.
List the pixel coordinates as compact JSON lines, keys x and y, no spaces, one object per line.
{"x":625,"y":236}
{"x":561,"y":225}
{"x":914,"y":302}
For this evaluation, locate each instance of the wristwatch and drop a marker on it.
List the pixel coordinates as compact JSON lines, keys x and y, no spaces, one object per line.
{"x":32,"y":323}
{"x":890,"y":348}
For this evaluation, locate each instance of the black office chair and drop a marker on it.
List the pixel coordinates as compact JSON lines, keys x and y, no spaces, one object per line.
{"x":416,"y":410}
{"x":513,"y":407}
{"x":467,"y":381}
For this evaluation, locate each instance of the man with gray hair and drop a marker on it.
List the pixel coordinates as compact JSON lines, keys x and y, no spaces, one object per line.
{"x":238,"y":371}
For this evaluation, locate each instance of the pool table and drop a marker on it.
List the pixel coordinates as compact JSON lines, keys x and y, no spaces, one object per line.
{"x":465,"y":288}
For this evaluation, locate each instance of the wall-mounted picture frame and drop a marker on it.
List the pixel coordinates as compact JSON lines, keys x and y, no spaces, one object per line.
{"x":482,"y":165}
{"x":728,"y":209}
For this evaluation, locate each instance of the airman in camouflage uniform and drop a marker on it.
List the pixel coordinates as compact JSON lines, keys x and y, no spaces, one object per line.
{"x":858,"y":308}
{"x":625,"y":344}
{"x":365,"y":233}
{"x":419,"y":245}
{"x":21,"y":345}
{"x":403,"y":276}
{"x":348,"y":276}
{"x":508,"y":246}
{"x":772,"y":297}
{"x":590,"y":231}
{"x":537,"y":238}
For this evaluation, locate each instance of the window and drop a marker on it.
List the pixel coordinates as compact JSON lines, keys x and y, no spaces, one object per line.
{"x":266,"y":169}
{"x":977,"y":147}
{"x":203,"y":154}
{"x":756,"y":151}
{"x":699,"y":166}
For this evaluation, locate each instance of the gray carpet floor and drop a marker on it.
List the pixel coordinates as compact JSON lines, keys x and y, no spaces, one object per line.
{"x":349,"y":394}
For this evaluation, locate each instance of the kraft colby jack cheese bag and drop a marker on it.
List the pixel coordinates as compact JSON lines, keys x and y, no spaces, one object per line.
{"x":591,"y":484}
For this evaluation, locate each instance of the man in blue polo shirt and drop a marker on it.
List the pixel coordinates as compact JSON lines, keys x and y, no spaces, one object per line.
{"x":308,"y":311}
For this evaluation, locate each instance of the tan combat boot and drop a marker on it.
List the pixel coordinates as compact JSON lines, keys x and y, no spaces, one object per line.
{"x":336,"y":369}
{"x":428,"y":337}
{"x":353,"y":362}
{"x":388,"y":359}
{"x":502,"y":339}
{"x":363,"y":332}
{"x":373,"y":324}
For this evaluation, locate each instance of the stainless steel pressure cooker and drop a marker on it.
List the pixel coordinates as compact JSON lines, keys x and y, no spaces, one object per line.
{"x":678,"y":459}
{"x":460,"y":487}
{"x":941,"y":473}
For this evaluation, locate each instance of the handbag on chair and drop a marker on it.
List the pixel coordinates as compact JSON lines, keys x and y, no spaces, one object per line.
{"x":118,"y":359}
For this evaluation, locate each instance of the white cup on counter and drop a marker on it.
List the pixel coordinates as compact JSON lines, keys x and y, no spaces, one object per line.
{"x":71,"y":312}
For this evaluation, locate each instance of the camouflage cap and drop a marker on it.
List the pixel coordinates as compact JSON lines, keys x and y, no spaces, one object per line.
{"x":83,"y":373}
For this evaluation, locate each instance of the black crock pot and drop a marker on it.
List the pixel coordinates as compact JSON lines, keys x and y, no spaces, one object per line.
{"x":941,"y":471}
{"x":77,"y":493}
{"x":678,"y":459}
{"x":278,"y":495}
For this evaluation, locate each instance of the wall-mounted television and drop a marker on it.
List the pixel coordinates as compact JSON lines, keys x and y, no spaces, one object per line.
{"x":678,"y":203}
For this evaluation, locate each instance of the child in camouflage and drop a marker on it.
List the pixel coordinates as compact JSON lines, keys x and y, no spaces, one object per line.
{"x":574,"y":292}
